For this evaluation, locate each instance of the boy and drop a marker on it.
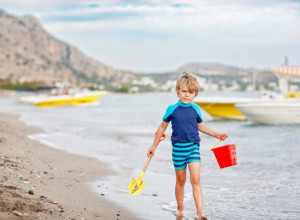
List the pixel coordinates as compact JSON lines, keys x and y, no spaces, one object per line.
{"x":186,"y":122}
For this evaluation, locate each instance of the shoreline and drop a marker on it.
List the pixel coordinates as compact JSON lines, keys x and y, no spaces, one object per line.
{"x":59,"y":177}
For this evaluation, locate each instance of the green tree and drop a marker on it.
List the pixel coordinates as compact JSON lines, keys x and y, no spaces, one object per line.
{"x":124,"y":88}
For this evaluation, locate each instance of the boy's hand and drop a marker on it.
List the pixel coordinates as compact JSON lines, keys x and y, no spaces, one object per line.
{"x":151,"y":151}
{"x":222,"y":136}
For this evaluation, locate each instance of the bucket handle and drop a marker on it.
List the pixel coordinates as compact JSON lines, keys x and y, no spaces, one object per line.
{"x":222,"y":140}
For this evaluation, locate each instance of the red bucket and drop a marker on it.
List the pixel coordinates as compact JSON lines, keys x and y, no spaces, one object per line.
{"x":225,"y":155}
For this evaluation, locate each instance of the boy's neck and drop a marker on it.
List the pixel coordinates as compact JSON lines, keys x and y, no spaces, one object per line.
{"x":183,"y":104}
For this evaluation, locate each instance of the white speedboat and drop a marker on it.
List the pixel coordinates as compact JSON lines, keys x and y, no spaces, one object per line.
{"x":226,"y":107}
{"x":272,"y":111}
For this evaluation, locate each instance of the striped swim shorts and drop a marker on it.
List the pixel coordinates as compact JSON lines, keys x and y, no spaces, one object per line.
{"x":184,"y":153}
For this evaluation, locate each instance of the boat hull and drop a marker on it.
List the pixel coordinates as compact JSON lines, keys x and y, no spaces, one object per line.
{"x":221,"y":110}
{"x":272,"y":112}
{"x":77,"y":100}
{"x":222,"y":107}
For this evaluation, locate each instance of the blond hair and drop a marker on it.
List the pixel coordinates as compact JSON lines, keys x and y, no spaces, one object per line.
{"x":189,"y":81}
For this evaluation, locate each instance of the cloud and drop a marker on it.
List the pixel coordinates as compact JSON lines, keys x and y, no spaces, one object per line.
{"x":191,"y":13}
{"x":139,"y":34}
{"x":168,"y":18}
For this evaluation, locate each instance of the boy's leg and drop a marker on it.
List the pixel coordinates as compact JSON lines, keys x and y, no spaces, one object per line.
{"x":195,"y":168}
{"x":179,"y":190}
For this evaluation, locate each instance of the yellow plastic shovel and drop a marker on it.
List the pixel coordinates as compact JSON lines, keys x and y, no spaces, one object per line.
{"x":136,"y":186}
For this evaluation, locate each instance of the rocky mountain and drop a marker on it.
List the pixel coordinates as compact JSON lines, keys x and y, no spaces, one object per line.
{"x":29,"y":53}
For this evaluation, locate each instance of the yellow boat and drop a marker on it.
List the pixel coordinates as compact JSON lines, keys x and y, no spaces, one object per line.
{"x":222,"y":107}
{"x":292,"y":94}
{"x":81,"y":99}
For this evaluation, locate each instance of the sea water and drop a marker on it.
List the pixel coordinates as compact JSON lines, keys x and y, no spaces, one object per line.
{"x":265,"y":184}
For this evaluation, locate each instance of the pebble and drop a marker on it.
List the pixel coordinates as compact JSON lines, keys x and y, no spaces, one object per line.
{"x":43,"y":197}
{"x":154,"y":194}
{"x":31,"y":192}
{"x":102,"y":194}
{"x":18,"y":213}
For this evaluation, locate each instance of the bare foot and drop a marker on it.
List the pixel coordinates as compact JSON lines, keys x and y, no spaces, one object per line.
{"x":178,"y":213}
{"x":201,"y":218}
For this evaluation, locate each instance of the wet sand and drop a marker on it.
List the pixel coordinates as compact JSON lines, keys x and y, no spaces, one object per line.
{"x":40,"y":182}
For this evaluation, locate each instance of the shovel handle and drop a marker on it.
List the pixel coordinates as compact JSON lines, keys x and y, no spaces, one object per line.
{"x":162,"y":137}
{"x":150,"y":156}
{"x":147,"y":163}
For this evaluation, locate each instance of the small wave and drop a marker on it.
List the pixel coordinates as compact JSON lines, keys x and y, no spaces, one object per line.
{"x":42,"y":139}
{"x":172,"y":206}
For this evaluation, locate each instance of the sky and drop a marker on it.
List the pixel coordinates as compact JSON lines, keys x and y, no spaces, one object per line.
{"x":162,"y":35}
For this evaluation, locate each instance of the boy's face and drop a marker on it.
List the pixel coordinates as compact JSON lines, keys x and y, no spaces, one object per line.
{"x":186,"y":96}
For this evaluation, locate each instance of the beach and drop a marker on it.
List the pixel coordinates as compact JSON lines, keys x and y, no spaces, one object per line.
{"x":57,"y":180}
{"x":82,"y":160}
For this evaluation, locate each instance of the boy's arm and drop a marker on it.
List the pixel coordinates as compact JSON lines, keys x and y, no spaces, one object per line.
{"x":160,"y":131}
{"x":207,"y":130}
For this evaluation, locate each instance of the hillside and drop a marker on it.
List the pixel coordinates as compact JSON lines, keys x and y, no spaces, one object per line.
{"x":217,"y":72}
{"x":29,"y":53}
{"x":212,"y":69}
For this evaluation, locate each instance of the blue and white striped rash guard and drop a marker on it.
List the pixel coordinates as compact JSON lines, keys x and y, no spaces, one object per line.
{"x":184,"y":119}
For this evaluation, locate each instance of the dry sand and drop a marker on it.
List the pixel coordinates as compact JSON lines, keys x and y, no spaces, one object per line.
{"x":59,"y":177}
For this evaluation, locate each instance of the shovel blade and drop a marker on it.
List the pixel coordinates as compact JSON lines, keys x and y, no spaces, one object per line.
{"x":135,"y":186}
